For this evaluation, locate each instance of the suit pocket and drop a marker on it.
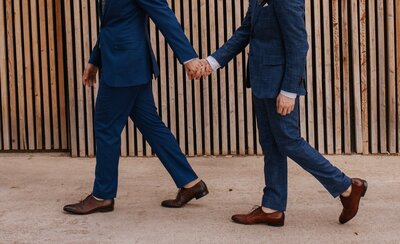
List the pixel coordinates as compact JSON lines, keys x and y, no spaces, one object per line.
{"x":127,"y":45}
{"x":273,"y":60}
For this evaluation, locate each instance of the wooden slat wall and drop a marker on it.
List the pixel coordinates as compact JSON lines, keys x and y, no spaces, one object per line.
{"x":33,"y":115}
{"x":397,"y":70}
{"x":352,"y":106}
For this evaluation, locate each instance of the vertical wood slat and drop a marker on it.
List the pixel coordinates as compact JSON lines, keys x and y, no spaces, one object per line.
{"x":382,"y":75}
{"x":205,"y":91}
{"x":346,"y":76}
{"x":124,"y":145}
{"x":222,"y":81}
{"x":45,"y":79}
{"x":71,"y":80}
{"x":337,"y":76}
{"x":4,"y":81}
{"x":36,"y":76}
{"x":131,"y":138}
{"x":214,"y":82}
{"x":61,"y":76}
{"x":391,"y":72}
{"x":20,"y":77}
{"x":364,"y":76}
{"x":327,"y":74}
{"x":53,"y":75}
{"x":78,"y":77}
{"x":28,"y":75}
{"x":11,"y":75}
{"x":398,"y":72}
{"x":196,"y":86}
{"x":231,"y":80}
{"x":356,"y":74}
{"x":240,"y":90}
{"x":372,"y":76}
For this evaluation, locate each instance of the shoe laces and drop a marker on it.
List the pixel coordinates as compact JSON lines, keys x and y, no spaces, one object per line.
{"x":254,"y":208}
{"x":82,"y":201}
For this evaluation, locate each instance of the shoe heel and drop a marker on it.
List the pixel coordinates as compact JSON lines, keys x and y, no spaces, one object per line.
{"x":365,"y":188}
{"x":202,"y":194}
{"x":276,"y":224}
{"x":107,"y":209}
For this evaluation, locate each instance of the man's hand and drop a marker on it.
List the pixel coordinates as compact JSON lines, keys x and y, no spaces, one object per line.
{"x":285,"y":105}
{"x":89,"y":75}
{"x":207,"y":70}
{"x":194,"y":69}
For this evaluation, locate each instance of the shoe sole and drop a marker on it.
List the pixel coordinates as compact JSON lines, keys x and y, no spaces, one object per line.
{"x":278,"y":224}
{"x":99,"y":210}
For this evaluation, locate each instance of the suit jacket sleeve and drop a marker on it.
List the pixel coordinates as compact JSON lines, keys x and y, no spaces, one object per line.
{"x":236,"y":43}
{"x":166,"y":21}
{"x":290,"y":14}
{"x":95,"y":56}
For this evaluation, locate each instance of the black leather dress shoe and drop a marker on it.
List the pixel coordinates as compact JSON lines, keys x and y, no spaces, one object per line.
{"x":187,"y":194}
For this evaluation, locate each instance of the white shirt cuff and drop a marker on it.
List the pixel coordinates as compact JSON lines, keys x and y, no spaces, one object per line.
{"x":288,"y":94}
{"x":213,"y":63}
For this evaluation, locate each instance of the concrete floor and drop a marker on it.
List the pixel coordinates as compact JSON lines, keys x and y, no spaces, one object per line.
{"x":34,"y":188}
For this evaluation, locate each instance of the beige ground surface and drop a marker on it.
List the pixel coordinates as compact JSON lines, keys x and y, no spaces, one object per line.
{"x":33,"y":189}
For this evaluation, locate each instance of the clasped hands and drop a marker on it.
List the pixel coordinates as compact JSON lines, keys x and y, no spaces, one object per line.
{"x":197,"y":69}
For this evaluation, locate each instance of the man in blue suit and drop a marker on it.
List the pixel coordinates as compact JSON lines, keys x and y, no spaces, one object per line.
{"x":123,"y":54}
{"x":275,"y":30}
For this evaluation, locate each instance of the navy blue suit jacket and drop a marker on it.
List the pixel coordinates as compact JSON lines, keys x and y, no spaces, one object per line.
{"x":123,"y":50}
{"x":278,"y":47}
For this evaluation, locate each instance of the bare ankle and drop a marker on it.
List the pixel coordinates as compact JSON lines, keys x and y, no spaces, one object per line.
{"x":98,"y":199}
{"x":269,"y":210}
{"x":192,"y":183}
{"x":347,"y":192}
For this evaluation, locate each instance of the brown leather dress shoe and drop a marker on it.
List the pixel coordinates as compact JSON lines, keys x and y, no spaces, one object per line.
{"x":185,"y":195}
{"x":90,"y":205}
{"x":351,"y":203}
{"x":258,"y":216}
